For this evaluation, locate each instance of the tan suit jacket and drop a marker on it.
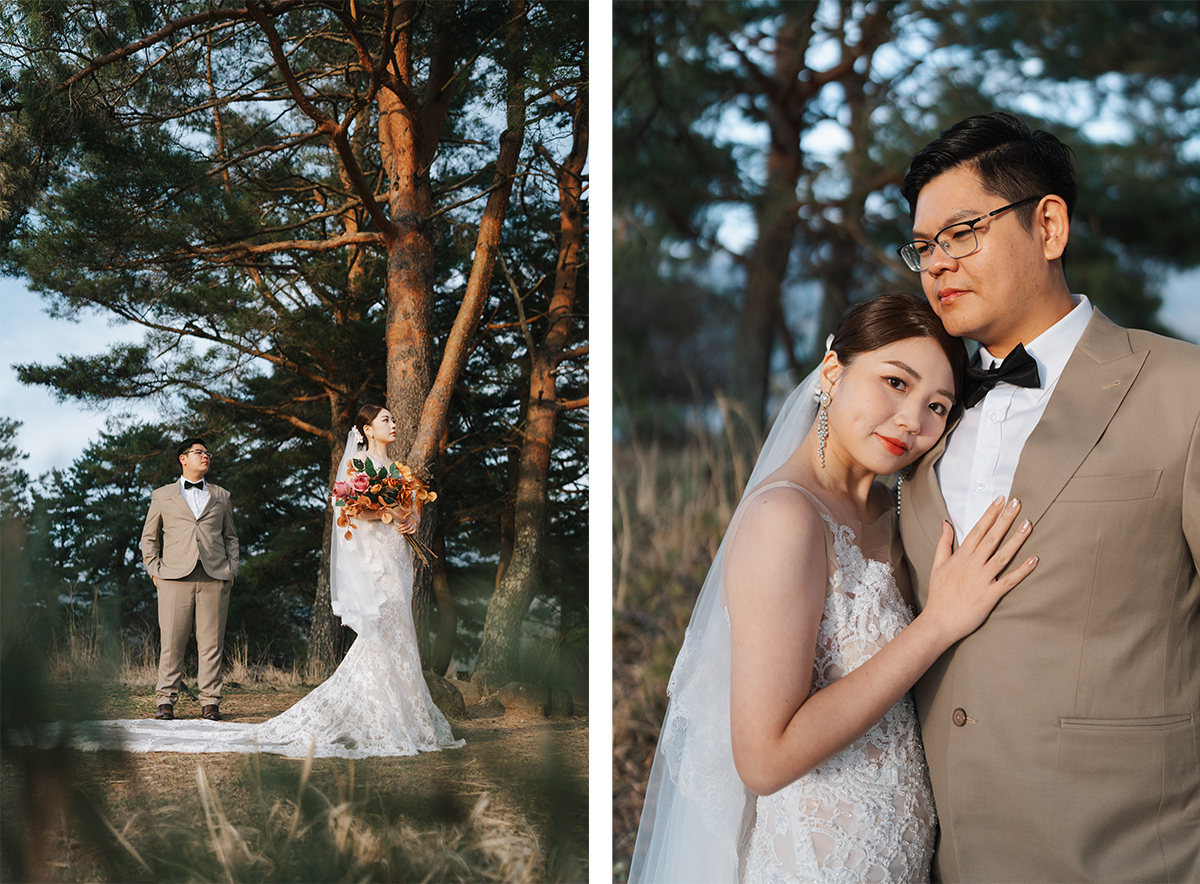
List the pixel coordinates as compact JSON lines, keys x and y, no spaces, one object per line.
{"x":174,"y":540}
{"x":1063,"y":736}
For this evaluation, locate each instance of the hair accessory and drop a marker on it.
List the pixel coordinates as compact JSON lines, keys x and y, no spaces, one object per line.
{"x":823,"y":425}
{"x":358,"y":436}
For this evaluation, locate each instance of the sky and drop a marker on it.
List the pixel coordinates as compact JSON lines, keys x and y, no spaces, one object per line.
{"x":53,"y":434}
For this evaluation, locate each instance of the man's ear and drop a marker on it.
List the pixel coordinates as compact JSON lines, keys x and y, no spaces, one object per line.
{"x":1050,"y":220}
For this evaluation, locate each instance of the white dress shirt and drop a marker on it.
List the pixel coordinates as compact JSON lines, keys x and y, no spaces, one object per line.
{"x":195,"y":498}
{"x":983,"y":450}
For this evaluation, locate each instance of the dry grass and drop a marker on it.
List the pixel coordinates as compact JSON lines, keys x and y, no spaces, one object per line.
{"x":510,"y":806}
{"x":671,"y":508}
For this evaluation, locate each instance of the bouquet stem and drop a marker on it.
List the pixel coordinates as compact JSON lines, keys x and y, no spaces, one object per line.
{"x":419,"y":549}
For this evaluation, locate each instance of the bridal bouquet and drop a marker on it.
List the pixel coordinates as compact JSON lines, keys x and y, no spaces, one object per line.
{"x":382,"y":490}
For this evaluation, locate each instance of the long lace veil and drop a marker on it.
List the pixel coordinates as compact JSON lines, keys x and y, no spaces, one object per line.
{"x":697,"y":814}
{"x":354,"y":596}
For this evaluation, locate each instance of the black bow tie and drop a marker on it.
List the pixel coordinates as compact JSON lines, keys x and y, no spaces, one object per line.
{"x":187,"y":484}
{"x":1018,"y":369}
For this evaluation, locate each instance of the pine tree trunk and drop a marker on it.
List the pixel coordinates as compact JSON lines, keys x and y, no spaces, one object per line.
{"x":500,"y":648}
{"x":776,"y":216}
{"x":322,"y":635}
{"x":447,"y":614}
{"x":432,"y":414}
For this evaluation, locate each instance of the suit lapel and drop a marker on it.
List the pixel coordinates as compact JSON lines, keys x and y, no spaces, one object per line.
{"x":1093,"y":384}
{"x":176,"y":500}
{"x":186,"y":510}
{"x":929,"y":505}
{"x":212,"y":499}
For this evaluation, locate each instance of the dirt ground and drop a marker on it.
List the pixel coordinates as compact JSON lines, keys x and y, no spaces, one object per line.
{"x":529,"y":772}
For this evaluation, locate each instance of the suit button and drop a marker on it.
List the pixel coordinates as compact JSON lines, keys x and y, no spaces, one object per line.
{"x":959,"y":717}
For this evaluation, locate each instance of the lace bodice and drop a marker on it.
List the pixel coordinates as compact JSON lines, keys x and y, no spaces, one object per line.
{"x":375,"y":704}
{"x":867,"y":814}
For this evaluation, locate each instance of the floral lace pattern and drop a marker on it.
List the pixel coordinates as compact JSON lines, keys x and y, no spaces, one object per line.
{"x":375,"y":704}
{"x":867,"y":814}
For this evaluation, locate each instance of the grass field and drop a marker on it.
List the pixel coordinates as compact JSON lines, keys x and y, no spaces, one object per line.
{"x":671,"y":506}
{"x":509,"y":806}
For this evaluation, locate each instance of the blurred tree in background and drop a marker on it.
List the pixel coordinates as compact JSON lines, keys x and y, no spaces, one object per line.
{"x":304,"y":203}
{"x":758,"y":149}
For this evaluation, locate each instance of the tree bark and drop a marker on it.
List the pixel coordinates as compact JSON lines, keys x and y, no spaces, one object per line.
{"x":776,"y":215}
{"x":790,"y":90}
{"x":447,"y":614}
{"x":433,"y":405}
{"x":522,"y":578}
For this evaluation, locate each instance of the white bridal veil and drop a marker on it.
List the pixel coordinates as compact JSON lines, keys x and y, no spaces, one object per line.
{"x":697,"y":813}
{"x":353,"y":594}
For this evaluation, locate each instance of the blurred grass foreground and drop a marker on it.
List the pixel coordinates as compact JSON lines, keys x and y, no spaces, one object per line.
{"x":510,"y":806}
{"x":672,"y":503}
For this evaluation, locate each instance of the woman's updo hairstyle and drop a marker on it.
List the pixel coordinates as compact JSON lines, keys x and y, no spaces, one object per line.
{"x":896,"y":317}
{"x":366,"y":416}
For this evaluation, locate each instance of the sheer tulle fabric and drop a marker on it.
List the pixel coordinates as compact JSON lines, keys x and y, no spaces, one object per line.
{"x":699,"y":822}
{"x":375,"y":704}
{"x":358,"y":581}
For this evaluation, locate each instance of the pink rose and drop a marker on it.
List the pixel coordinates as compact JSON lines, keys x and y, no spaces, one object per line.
{"x":361,"y":482}
{"x":341,"y":489}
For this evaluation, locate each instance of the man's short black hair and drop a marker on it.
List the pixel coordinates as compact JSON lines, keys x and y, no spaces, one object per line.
{"x":1011,"y":161}
{"x":188,"y":443}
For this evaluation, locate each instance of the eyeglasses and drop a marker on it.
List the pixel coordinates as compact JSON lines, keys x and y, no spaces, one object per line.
{"x":961,"y":239}
{"x":201,"y":452}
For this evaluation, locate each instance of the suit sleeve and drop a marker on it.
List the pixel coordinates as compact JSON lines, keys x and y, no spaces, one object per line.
{"x":152,"y":537}
{"x":229,"y":532}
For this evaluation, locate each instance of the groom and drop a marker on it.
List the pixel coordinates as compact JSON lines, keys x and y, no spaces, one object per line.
{"x":190,"y":548}
{"x":1063,"y":737}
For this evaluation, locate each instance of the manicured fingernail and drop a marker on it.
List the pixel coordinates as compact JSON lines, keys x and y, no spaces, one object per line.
{"x":1034,"y":560}
{"x":1025,"y":527}
{"x":999,"y":500}
{"x":1015,"y":503}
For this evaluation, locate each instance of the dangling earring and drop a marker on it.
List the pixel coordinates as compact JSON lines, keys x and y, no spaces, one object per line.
{"x":822,"y":426}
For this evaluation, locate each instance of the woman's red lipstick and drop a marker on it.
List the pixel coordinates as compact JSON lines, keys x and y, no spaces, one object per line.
{"x":895,"y":446}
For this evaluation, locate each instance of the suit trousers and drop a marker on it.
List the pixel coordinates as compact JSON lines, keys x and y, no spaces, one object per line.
{"x":205,"y":601}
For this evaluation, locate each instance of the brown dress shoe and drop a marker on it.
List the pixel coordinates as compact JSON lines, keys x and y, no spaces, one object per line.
{"x":166,"y":712}
{"x":212,"y":713}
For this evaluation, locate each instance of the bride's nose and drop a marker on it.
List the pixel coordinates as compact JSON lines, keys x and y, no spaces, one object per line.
{"x":908,"y":419}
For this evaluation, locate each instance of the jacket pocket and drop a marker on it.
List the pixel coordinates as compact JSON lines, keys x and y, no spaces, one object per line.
{"x":1154,"y":723}
{"x":1085,"y":488}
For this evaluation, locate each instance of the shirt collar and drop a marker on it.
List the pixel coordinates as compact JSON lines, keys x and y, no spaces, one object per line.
{"x":1053,"y":347}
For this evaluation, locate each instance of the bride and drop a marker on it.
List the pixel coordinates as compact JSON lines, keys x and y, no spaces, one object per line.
{"x":377,"y":702}
{"x":790,"y":749}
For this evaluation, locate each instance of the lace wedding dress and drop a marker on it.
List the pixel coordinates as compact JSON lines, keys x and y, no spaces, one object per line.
{"x":865,"y":815}
{"x":376,"y":703}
